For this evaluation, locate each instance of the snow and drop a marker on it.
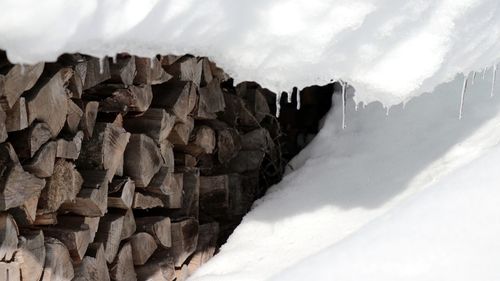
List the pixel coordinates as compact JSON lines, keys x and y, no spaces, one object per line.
{"x":383,"y":199}
{"x":390,"y":50}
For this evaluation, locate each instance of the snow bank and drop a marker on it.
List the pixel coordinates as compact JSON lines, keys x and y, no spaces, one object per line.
{"x":346,"y":179}
{"x":389,"y":49}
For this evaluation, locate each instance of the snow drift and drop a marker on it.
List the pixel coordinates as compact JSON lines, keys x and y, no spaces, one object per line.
{"x":389,"y":49}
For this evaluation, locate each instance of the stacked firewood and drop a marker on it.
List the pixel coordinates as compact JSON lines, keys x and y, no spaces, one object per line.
{"x":127,"y":168}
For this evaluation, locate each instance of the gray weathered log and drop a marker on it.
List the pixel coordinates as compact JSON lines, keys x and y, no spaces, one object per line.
{"x":142,"y":159}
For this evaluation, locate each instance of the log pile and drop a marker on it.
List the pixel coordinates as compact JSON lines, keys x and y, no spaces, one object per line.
{"x":127,"y":168}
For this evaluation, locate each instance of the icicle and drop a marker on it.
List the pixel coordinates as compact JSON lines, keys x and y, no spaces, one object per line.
{"x":298,"y":101}
{"x":473,"y":77}
{"x":152,"y":65}
{"x":343,"y":105}
{"x":115,"y":58}
{"x":356,"y":107}
{"x":387,"y":111}
{"x":278,"y":105}
{"x":464,"y":88}
{"x":101,"y":65}
{"x":484,"y":73}
{"x":493,"y":80}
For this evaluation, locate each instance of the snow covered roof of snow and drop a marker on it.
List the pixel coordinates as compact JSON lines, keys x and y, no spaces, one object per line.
{"x":389,"y":50}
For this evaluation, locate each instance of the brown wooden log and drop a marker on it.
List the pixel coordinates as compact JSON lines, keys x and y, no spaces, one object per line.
{"x":75,"y":238}
{"x":31,"y":255}
{"x":181,"y":131}
{"x":74,"y":117}
{"x":120,"y":98}
{"x":190,"y":196}
{"x":149,"y":71}
{"x":142,"y":159}
{"x":75,"y":83}
{"x":184,"y":160}
{"x":246,"y":160}
{"x":143,"y":246}
{"x":206,"y":246}
{"x":28,"y":141}
{"x":166,"y":186}
{"x":254,"y":100}
{"x":158,"y":227}
{"x":97,"y":72}
{"x":64,"y":185}
{"x":214,"y":196}
{"x":201,"y":141}
{"x":184,"y":240}
{"x":17,"y":116}
{"x":228,"y":144}
{"x":57,"y":261}
{"x":19,"y":79}
{"x":181,"y":273}
{"x":185,"y":68}
{"x":148,"y":200}
{"x":16,"y":185}
{"x":104,"y":150}
{"x":47,"y":101}
{"x":122,"y":268}
{"x":218,"y":72}
{"x":167,"y":153}
{"x":121,"y":194}
{"x":178,"y":97}
{"x":42,"y":164}
{"x":10,"y":271}
{"x":25,"y":214}
{"x":72,"y":221}
{"x":3,"y":129}
{"x":92,"y":200}
{"x":156,"y":269}
{"x":109,"y":234}
{"x":70,"y":149}
{"x":46,"y":219}
{"x":129,"y":225}
{"x":156,"y":123}
{"x":88,"y":120}
{"x":93,"y":266}
{"x":211,"y":100}
{"x":206,"y":75}
{"x":123,"y":70}
{"x":8,"y":236}
{"x":258,"y":139}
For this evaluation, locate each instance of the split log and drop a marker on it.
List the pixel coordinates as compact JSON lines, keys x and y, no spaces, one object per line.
{"x":10,"y":271}
{"x":46,"y":219}
{"x":57,"y":262}
{"x":77,"y":221}
{"x":70,"y":149}
{"x":149,"y":71}
{"x":156,"y":269}
{"x":123,"y":70}
{"x":75,"y":238}
{"x":47,"y":101}
{"x":184,"y":240}
{"x":75,"y":83}
{"x":3,"y":129}
{"x":143,"y":246}
{"x":190,"y":196}
{"x":178,"y":97}
{"x":42,"y":164}
{"x":218,"y":72}
{"x":184,"y":160}
{"x":254,"y":100}
{"x":121,"y":194}
{"x":92,"y":200}
{"x":28,"y":141}
{"x":158,"y":227}
{"x":246,"y":160}
{"x":16,"y":185}
{"x":142,"y":159}
{"x":31,"y":255}
{"x":19,"y":79}
{"x":258,"y":139}
{"x":97,"y":72}
{"x":74,"y":117}
{"x":228,"y":144}
{"x":231,"y":114}
{"x":206,"y":75}
{"x":205,"y":249}
{"x":214,"y":196}
{"x":185,"y":68}
{"x":201,"y":141}
{"x":105,"y":149}
{"x":17,"y":116}
{"x":8,"y":237}
{"x":182,"y":273}
{"x":156,"y":123}
{"x":122,"y":269}
{"x":181,"y":131}
{"x":167,"y":153}
{"x":120,"y":98}
{"x":211,"y":100}
{"x":88,"y":120}
{"x":129,"y":225}
{"x":166,"y":186}
{"x":25,"y":214}
{"x":148,"y":200}
{"x":93,"y":266}
{"x":62,"y":186}
{"x":109,"y":234}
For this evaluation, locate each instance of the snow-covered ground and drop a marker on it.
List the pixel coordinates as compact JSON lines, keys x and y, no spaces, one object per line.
{"x":379,"y":200}
{"x":390,"y":49}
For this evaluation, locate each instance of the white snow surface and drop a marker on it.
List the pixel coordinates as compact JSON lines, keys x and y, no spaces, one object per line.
{"x":384,"y":199}
{"x":390,"y":50}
